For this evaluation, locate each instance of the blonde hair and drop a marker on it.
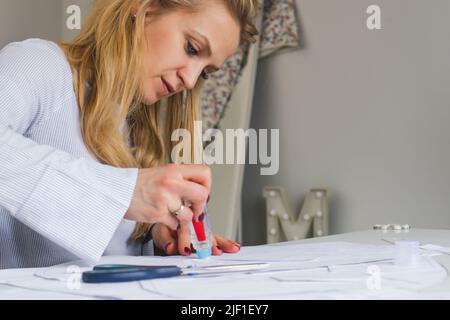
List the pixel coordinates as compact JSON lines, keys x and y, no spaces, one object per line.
{"x":105,"y":60}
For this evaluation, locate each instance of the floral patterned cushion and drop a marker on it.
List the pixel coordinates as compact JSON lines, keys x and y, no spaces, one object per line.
{"x":279,"y":31}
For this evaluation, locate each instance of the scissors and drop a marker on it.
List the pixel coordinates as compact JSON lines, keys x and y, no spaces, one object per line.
{"x":107,"y":273}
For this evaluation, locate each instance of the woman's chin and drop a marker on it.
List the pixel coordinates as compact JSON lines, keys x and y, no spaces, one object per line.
{"x":150,"y":99}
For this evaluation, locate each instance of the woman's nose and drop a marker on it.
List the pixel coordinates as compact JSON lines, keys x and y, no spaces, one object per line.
{"x":189,"y":77}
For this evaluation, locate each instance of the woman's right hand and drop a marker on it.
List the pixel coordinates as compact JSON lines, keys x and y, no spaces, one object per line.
{"x":160,"y":191}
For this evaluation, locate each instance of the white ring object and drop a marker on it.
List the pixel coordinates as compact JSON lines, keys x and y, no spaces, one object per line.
{"x":179,"y":211}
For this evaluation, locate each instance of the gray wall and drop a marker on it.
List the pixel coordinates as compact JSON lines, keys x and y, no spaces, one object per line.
{"x":365,"y":113}
{"x":84,"y":5}
{"x":22,"y":19}
{"x":46,"y":19}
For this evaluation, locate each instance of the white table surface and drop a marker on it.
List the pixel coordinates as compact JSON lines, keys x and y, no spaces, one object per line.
{"x":436,"y":237}
{"x":439,"y":237}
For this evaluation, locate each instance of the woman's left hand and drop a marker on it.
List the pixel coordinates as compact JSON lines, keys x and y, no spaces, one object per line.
{"x":169,"y":242}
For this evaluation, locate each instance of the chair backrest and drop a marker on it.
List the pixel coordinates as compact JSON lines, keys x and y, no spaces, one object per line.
{"x":225,"y":204}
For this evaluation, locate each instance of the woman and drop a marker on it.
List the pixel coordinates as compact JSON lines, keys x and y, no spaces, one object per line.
{"x":84,"y":166}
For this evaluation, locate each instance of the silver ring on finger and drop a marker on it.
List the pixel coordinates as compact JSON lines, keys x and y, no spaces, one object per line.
{"x":179,"y":211}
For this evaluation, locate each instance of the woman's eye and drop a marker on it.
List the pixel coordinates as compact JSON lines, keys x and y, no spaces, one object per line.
{"x":191,"y":49}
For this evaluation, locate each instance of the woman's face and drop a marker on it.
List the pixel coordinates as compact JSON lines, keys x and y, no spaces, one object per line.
{"x":181,"y":46}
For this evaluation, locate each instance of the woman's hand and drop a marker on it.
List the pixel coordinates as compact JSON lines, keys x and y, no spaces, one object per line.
{"x":161,"y":191}
{"x":170,"y":242}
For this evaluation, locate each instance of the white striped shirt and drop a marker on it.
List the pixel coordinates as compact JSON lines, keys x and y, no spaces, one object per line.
{"x":57,"y":203}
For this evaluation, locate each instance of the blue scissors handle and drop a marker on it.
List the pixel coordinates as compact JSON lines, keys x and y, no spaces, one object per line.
{"x":126,"y":273}
{"x":124,"y":266}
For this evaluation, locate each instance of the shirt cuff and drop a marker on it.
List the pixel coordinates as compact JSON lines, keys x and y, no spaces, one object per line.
{"x":79,"y":213}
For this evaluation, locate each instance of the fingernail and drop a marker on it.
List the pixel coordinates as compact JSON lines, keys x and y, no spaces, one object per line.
{"x":187,"y":250}
{"x":201,"y":217}
{"x":167,"y":245}
{"x":237,"y":244}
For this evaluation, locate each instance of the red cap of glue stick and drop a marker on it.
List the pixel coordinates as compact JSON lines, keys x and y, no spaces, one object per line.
{"x":201,"y":237}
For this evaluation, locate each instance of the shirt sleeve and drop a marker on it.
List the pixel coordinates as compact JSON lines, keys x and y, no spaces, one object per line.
{"x":77,"y":203}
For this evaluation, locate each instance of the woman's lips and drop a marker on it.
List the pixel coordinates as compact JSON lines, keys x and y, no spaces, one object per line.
{"x":167,"y":89}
